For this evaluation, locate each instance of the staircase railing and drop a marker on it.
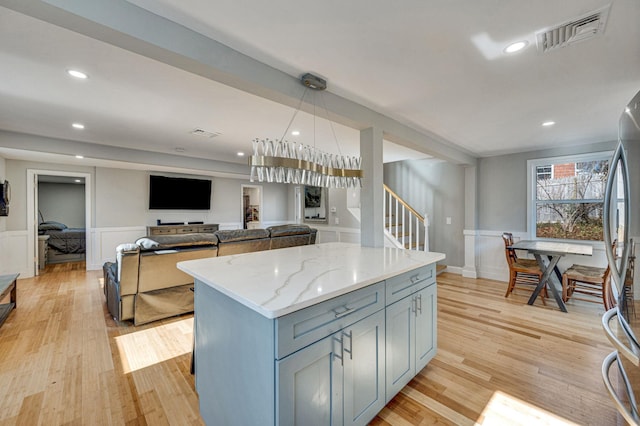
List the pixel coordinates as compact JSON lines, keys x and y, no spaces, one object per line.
{"x":405,"y":226}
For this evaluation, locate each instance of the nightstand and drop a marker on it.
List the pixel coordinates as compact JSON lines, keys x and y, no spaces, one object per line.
{"x":43,"y":248}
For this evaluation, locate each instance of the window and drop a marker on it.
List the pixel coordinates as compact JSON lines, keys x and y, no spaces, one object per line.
{"x":544,"y":172}
{"x":566,"y":196}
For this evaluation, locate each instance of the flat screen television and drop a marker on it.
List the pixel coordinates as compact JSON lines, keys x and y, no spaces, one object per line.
{"x":173,"y":193}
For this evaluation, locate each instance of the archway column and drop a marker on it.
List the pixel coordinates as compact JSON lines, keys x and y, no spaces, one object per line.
{"x":371,"y":194}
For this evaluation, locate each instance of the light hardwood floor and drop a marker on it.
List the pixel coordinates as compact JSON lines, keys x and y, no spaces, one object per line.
{"x":64,"y":361}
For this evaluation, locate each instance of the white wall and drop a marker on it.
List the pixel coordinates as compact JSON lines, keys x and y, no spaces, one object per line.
{"x":502,"y":186}
{"x":502,"y":195}
{"x":62,"y":202}
{"x":435,"y":188}
{"x":16,"y":172}
{"x":339,"y":199}
{"x":122,"y":200}
{"x":120,"y":210}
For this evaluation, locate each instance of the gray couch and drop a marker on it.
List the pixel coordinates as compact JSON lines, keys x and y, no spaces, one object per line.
{"x":144,"y":284}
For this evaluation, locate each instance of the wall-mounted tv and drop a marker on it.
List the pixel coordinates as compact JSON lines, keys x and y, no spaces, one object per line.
{"x":173,"y":193}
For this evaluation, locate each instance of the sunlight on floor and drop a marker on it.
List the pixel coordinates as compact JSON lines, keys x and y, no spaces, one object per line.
{"x":144,"y":348}
{"x":504,"y":409}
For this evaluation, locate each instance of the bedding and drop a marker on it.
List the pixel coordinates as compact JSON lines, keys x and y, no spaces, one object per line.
{"x":51,"y":226}
{"x":68,"y":240}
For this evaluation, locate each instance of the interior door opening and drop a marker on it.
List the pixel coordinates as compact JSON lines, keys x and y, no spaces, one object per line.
{"x":251,"y":206}
{"x":60,"y":218}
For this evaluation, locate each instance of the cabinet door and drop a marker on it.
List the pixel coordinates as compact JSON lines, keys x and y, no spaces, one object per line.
{"x":400,"y":351}
{"x":310,"y":385}
{"x":364,"y":364}
{"x":426,"y":332}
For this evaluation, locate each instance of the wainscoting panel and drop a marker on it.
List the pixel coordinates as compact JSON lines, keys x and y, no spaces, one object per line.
{"x":15,"y":254}
{"x":491,"y":262}
{"x":330,"y":234}
{"x":105,"y":241}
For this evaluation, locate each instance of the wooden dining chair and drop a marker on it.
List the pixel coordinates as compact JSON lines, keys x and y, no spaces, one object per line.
{"x":521,"y":270}
{"x":610,"y":301}
{"x":590,"y":281}
{"x":629,"y":308}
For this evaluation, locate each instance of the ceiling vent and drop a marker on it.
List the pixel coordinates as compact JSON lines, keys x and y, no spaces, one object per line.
{"x":205,"y":133}
{"x":584,"y":28}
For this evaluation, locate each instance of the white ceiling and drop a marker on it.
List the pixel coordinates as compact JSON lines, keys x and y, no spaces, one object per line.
{"x":437,"y":67}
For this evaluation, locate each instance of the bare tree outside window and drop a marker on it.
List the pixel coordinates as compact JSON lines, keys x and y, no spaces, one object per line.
{"x":570,"y":199}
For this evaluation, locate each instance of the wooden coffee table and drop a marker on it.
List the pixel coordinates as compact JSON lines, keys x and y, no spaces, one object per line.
{"x":7,"y":286}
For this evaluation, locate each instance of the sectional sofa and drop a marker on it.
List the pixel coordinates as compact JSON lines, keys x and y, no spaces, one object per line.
{"x":144,"y":284}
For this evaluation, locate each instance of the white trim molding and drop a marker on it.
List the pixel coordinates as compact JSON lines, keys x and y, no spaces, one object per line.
{"x":469,"y":270}
{"x":14,"y":249}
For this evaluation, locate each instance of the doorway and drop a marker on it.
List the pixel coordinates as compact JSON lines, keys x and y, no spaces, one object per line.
{"x":73,"y":242}
{"x":251,"y":206}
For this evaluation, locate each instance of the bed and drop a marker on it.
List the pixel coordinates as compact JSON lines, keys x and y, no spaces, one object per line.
{"x":65,"y":244}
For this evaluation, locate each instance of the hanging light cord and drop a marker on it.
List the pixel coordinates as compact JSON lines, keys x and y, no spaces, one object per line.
{"x":333,"y":130}
{"x":295,"y":113}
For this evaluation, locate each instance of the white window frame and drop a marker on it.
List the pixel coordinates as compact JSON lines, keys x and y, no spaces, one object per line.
{"x":550,"y":172}
{"x":531,"y":183}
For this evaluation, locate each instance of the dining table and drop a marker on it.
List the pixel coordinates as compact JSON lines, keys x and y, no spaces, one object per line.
{"x":548,"y":254}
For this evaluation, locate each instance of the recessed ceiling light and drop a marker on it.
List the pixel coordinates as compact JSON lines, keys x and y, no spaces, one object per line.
{"x":240,"y":154}
{"x":79,"y":156}
{"x":514,"y":47}
{"x":296,"y":133}
{"x":77,"y":74}
{"x":78,"y":126}
{"x":548,"y":123}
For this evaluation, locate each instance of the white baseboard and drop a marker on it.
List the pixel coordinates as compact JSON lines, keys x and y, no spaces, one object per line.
{"x":454,"y":270}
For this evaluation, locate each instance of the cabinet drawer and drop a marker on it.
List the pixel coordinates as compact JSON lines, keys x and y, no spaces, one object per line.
{"x":207,"y":228}
{"x":186,"y":229}
{"x":409,"y":282}
{"x":301,"y":328}
{"x":162,"y":231}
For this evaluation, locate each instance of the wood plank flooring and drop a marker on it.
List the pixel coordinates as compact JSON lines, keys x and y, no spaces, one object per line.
{"x":64,"y":361}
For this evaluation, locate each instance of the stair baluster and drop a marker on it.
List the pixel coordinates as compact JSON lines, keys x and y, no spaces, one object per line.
{"x":397,"y":212}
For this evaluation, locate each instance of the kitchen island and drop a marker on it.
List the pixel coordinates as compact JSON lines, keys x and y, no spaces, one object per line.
{"x":320,"y":334}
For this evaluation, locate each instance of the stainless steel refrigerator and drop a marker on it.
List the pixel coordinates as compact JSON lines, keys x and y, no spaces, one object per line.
{"x":621,"y":369}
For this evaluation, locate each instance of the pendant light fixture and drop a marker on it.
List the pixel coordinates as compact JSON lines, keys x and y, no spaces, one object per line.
{"x":282,"y":161}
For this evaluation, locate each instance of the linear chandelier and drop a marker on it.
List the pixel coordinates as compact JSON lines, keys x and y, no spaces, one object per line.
{"x":282,"y":161}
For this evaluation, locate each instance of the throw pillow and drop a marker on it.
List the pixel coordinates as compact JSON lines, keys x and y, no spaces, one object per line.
{"x":147,"y":243}
{"x":52,"y":226}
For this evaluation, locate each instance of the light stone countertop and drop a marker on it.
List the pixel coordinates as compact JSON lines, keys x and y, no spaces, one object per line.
{"x":277,"y":282}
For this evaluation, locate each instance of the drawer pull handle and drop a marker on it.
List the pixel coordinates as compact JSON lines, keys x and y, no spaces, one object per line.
{"x":621,"y":347}
{"x":346,"y":311}
{"x":414,"y":279}
{"x":350,"y":350}
{"x":620,"y":406}
{"x":335,"y":354}
{"x":419,"y":309}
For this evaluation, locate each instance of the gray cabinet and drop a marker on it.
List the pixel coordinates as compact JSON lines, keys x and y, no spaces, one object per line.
{"x":334,"y":363}
{"x":310,"y":386}
{"x":336,"y":381}
{"x":410,"y":332}
{"x":426,"y":330}
{"x":364,"y":364}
